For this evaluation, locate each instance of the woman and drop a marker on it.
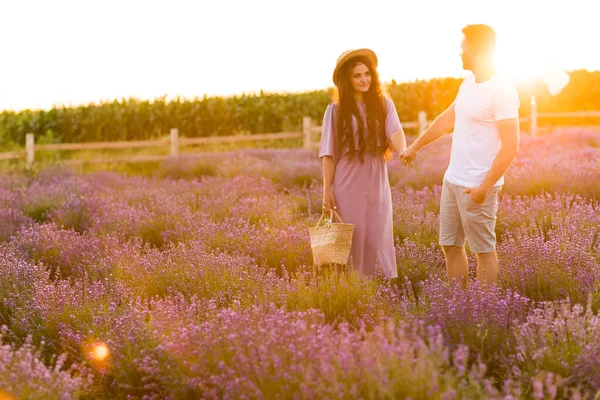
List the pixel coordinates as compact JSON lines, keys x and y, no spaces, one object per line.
{"x":359,"y":133}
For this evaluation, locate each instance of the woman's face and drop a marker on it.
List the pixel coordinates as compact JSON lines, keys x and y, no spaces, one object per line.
{"x":360,"y":76}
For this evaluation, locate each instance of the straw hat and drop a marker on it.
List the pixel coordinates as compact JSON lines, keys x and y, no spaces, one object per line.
{"x":347,"y":55}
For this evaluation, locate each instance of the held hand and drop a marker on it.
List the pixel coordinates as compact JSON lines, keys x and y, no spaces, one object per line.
{"x":409,"y":155}
{"x":328,"y":201}
{"x":477,"y":194}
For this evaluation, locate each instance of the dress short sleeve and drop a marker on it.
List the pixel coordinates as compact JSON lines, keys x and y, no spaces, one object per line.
{"x":392,"y":122}
{"x":327,"y":147}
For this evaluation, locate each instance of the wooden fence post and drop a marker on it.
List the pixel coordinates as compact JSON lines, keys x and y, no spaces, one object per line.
{"x":422,"y":122}
{"x":29,"y":150}
{"x":307,"y":130}
{"x":533,"y":117}
{"x":175,"y":143}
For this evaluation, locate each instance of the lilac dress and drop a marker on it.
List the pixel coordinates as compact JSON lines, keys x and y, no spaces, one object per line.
{"x":363,"y":197}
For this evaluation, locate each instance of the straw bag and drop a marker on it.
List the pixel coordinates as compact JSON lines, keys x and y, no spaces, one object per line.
{"x":331,"y":243}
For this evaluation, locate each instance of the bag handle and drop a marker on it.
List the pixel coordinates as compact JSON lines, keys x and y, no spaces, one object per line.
{"x":332,"y":212}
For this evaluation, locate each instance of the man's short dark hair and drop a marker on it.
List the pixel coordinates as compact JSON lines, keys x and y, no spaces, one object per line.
{"x":481,"y":37}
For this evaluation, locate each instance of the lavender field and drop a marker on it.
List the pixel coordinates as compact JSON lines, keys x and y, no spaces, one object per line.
{"x":197,"y":282}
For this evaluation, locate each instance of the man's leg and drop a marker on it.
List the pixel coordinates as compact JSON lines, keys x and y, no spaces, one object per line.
{"x":480,"y":225}
{"x":457,"y":265}
{"x":452,"y":236}
{"x":487,"y":268}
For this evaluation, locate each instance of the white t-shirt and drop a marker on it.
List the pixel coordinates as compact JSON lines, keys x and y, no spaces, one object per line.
{"x":476,"y":141}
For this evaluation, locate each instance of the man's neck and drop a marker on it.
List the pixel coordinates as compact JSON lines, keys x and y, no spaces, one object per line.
{"x":484,"y":72}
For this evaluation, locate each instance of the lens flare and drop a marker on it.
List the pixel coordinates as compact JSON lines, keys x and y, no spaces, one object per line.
{"x":555,"y":79}
{"x":6,"y":396}
{"x":100,"y":351}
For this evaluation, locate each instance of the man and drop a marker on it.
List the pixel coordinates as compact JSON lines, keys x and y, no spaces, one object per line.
{"x":485,"y":141}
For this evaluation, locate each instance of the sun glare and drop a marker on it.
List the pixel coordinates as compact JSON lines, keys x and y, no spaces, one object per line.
{"x":98,"y":354}
{"x":519,"y":61}
{"x":6,"y":396}
{"x":100,"y":351}
{"x":527,"y":60}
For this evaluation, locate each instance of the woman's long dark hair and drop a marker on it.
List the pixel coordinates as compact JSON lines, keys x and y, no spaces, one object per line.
{"x":375,"y":142}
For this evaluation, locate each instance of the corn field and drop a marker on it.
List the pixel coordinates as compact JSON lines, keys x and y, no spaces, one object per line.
{"x":133,"y":119}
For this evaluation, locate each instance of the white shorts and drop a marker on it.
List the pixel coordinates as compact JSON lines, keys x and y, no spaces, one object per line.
{"x":463,"y":220}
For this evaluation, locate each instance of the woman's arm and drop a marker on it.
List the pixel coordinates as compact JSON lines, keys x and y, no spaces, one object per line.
{"x":397,"y":141}
{"x":328,"y":171}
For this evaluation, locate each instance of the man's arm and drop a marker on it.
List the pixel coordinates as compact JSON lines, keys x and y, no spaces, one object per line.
{"x":438,"y":128}
{"x":508,"y":129}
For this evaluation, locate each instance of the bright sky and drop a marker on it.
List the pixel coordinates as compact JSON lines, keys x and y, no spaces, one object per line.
{"x":80,"y":51}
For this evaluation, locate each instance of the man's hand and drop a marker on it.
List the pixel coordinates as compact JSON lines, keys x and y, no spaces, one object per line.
{"x":409,"y":155}
{"x":478,"y":194}
{"x":328,"y":201}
